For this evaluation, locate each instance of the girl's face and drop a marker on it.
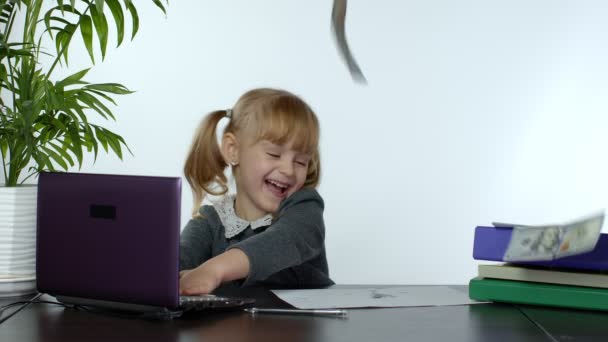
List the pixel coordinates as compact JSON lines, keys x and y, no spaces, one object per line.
{"x":267,"y":173}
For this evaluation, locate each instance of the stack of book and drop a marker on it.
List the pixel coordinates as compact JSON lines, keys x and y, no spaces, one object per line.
{"x":577,"y":281}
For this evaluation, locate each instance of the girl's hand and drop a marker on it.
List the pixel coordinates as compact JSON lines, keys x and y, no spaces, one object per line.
{"x":230,"y":265}
{"x":201,"y":280}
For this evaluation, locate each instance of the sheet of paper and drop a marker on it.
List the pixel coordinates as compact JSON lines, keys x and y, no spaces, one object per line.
{"x":374,"y":297}
{"x":548,"y":242}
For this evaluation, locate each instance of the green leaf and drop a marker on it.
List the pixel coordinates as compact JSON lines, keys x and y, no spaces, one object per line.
{"x":102,"y":95}
{"x":101,"y":26}
{"x":55,"y":156}
{"x":119,"y":19}
{"x":124,"y":143}
{"x":45,"y":135}
{"x":70,"y":119}
{"x":59,"y":20}
{"x":49,"y":27}
{"x":95,"y":104}
{"x":114,"y":88}
{"x":43,"y":159}
{"x":86,"y":29}
{"x":101,"y":137}
{"x":58,"y":124}
{"x":73,"y":79}
{"x":134,"y":18}
{"x":99,"y":5}
{"x":7,"y":11}
{"x":114,"y":143}
{"x":76,"y":146}
{"x":3,"y":148}
{"x":54,"y":98}
{"x":80,"y":113}
{"x":91,"y":137}
{"x":62,"y":41}
{"x":4,"y":52}
{"x":67,"y":144}
{"x":49,"y":17}
{"x":63,"y":151}
{"x":159,"y":4}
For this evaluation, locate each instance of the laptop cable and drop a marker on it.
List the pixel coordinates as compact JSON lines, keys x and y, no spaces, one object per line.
{"x":23,"y":302}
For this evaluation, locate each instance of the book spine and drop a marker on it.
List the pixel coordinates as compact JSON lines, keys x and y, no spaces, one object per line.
{"x":490,"y":243}
{"x":518,"y":292}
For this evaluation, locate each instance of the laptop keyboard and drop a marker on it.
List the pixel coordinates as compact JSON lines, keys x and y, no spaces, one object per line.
{"x":211,"y":301}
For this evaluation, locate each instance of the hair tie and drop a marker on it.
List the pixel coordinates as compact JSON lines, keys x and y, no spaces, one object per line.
{"x":229,"y":113}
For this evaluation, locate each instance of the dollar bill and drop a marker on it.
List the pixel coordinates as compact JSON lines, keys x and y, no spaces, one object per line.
{"x":548,"y":242}
{"x":338,"y":19}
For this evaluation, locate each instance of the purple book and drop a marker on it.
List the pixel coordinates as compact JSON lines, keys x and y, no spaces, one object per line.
{"x":491,"y":243}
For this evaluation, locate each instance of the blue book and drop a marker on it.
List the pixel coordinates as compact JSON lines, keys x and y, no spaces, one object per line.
{"x":491,"y":243}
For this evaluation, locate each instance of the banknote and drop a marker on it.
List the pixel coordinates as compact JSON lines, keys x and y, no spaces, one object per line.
{"x":548,"y":242}
{"x":338,"y":20}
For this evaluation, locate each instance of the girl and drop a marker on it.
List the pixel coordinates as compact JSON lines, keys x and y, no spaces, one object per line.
{"x":271,"y":232}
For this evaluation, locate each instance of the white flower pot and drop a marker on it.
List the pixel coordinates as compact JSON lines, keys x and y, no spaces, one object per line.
{"x":17,"y":239}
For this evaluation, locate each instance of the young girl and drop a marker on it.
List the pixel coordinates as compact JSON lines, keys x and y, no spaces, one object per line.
{"x":271,"y":232}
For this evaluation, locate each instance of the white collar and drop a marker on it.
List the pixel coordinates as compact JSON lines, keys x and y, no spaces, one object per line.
{"x":234,"y":225}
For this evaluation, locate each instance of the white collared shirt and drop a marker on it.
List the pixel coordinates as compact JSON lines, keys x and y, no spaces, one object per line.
{"x":234,"y":225}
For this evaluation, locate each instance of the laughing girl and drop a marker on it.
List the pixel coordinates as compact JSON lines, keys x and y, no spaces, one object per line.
{"x":271,"y":231}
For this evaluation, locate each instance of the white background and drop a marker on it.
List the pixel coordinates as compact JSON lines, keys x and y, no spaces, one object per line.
{"x":475,"y":111}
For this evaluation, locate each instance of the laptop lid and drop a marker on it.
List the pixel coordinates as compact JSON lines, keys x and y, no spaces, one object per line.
{"x":109,"y":237}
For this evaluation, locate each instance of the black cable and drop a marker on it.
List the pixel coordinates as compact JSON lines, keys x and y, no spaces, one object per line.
{"x":2,"y":308}
{"x":25,"y":303}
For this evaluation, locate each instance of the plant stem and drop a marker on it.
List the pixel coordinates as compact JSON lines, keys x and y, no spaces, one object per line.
{"x":4,"y":168}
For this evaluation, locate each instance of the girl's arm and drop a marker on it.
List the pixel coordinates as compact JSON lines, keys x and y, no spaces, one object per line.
{"x":230,"y":265}
{"x":297,"y":236}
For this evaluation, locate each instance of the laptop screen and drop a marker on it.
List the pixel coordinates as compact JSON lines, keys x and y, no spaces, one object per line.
{"x":109,"y":237}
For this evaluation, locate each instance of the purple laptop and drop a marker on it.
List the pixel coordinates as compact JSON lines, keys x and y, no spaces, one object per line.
{"x":113,"y":241}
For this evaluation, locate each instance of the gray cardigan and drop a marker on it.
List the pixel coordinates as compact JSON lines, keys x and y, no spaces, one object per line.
{"x":288,"y":253}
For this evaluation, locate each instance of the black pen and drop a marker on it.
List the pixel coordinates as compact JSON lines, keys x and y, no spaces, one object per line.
{"x":321,"y":312}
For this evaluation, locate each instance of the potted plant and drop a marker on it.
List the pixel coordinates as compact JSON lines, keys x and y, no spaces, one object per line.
{"x":44,"y":120}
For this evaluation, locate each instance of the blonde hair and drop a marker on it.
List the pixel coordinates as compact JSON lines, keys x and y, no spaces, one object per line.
{"x":262,"y":114}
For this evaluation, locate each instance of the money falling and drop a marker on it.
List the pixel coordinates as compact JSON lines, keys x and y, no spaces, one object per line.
{"x":338,"y":19}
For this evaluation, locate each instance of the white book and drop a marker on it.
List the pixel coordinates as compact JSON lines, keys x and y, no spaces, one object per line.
{"x":542,"y":275}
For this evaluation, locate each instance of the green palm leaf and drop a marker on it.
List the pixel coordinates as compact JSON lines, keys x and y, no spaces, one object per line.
{"x":86,"y":29}
{"x":101,"y":26}
{"x":119,"y":19}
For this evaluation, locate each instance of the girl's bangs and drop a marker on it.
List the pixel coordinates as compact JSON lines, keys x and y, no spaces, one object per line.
{"x":281,"y":127}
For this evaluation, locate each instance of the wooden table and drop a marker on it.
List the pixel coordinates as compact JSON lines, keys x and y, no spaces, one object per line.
{"x":481,"y":322}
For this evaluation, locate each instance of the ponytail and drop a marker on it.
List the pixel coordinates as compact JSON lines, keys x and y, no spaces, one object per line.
{"x":205,"y":165}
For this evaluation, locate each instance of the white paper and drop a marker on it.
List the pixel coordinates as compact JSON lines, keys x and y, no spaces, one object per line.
{"x":398,"y":296}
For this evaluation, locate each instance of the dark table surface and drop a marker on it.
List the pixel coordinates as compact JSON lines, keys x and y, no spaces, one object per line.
{"x":480,"y":322}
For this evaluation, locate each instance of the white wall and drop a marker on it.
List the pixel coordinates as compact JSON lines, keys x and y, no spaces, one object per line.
{"x":476,"y":111}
